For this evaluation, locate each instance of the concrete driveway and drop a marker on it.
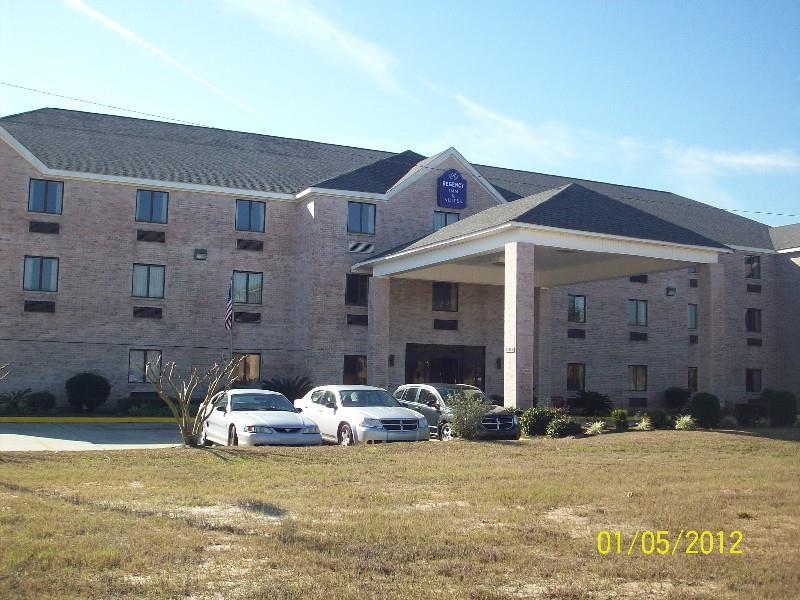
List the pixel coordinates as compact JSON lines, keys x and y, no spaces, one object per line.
{"x":21,"y":437}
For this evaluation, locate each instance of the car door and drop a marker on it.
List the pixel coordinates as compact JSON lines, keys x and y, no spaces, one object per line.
{"x":216,"y":421}
{"x":325,"y":416}
{"x":427,"y":403}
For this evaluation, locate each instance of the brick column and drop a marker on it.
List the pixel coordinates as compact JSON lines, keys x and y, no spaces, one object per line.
{"x":378,"y":332}
{"x":518,"y":325}
{"x":714,"y":365}
{"x":543,"y":344}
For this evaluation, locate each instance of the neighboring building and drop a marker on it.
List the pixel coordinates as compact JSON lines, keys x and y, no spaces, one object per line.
{"x":119,"y":236}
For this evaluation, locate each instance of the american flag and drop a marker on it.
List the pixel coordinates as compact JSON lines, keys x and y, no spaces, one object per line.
{"x":229,"y":308}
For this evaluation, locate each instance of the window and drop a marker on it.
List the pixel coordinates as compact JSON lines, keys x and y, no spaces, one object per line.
{"x":752,"y":380}
{"x":637,"y":312}
{"x":45,"y":196}
{"x":249,"y":370}
{"x":140,"y":361}
{"x":148,"y":281}
{"x":637,"y":378}
{"x":752,"y":320}
{"x":250,"y":215}
{"x":151,"y":207}
{"x":692,"y":269}
{"x":752,"y":267}
{"x":443,"y":219}
{"x":41,"y":274}
{"x":445,"y":296}
{"x":691,"y":379}
{"x":355,"y":369}
{"x":576,"y":310}
{"x":691,"y":316}
{"x":360,"y":217}
{"x":247,"y":287}
{"x":357,"y":290}
{"x":576,"y":377}
{"x":638,"y":278}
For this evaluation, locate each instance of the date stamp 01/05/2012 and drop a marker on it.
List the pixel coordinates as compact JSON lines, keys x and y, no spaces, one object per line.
{"x":670,"y":543}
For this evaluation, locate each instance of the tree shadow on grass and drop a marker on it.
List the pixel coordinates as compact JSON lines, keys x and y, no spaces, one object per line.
{"x":263,"y":508}
{"x":789,"y":434}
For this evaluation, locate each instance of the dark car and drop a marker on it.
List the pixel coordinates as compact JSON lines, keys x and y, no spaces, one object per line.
{"x":430,"y":399}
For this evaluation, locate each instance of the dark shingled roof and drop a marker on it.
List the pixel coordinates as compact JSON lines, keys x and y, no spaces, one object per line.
{"x":786,"y":236}
{"x":569,"y":207}
{"x":138,"y":148}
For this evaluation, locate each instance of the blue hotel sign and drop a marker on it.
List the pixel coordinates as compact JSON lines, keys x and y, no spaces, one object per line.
{"x":451,"y":190}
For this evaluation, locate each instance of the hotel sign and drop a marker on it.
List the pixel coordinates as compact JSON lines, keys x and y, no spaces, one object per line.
{"x":452,"y":190}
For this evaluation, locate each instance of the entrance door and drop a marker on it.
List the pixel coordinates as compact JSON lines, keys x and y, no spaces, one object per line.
{"x":438,"y":363}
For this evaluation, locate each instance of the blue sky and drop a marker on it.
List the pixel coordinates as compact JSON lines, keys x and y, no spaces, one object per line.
{"x":699,"y":99}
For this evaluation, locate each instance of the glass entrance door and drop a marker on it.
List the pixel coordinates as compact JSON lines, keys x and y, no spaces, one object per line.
{"x":437,"y":363}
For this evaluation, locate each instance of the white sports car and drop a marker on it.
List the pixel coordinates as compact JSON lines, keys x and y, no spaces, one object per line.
{"x":257,"y":418}
{"x":347,"y":414}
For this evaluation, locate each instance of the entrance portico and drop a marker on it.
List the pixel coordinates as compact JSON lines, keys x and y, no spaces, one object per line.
{"x":560,"y":237}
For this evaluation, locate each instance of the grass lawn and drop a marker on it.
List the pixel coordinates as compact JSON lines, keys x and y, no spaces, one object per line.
{"x":421,"y":520}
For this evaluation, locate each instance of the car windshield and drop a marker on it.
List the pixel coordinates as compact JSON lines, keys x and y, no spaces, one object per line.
{"x":470,"y":392}
{"x":261,"y":402}
{"x":367,"y":398}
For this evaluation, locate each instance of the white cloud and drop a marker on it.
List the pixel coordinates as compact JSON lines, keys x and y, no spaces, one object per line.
{"x":86,"y":10}
{"x":300,"y":21}
{"x":690,"y":159}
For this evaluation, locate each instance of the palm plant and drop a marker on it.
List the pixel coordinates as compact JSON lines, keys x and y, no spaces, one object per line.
{"x":291,"y":387}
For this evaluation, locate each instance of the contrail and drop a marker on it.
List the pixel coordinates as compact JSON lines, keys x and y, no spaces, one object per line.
{"x":85,"y":9}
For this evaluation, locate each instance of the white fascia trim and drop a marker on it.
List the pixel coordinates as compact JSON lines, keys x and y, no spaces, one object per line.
{"x":433,"y":162}
{"x":134,"y":181}
{"x":751,"y":249}
{"x":340,"y":193}
{"x":789,"y":250}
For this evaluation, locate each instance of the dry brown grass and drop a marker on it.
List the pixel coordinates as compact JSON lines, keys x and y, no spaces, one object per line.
{"x":425,"y":520}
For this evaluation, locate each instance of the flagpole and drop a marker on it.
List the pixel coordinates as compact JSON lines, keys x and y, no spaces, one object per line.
{"x":230,"y":331}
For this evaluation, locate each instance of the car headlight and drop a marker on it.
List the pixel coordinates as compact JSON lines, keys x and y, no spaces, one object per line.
{"x":423,"y":423}
{"x":258,"y":429}
{"x":310,"y":429}
{"x":372,"y":424}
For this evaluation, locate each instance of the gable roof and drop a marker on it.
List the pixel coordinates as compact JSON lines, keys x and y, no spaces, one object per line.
{"x":786,"y":236}
{"x":109,"y":145}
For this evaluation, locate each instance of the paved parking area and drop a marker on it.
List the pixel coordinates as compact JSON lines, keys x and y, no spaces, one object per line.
{"x":20,"y":437}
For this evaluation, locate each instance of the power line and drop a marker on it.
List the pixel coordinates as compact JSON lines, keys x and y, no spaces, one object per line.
{"x":433,"y":169}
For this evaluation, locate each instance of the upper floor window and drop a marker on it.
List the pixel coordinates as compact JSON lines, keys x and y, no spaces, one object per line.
{"x":142,"y":361}
{"x":148,"y":281}
{"x":250,"y":215}
{"x":576,"y":309}
{"x":752,"y":320}
{"x":41,"y":274}
{"x":691,"y":316}
{"x":357,"y":290}
{"x":637,"y":378}
{"x":445,"y":296}
{"x":247,"y":287}
{"x":752,"y":380}
{"x":45,"y":196}
{"x":249,"y":370}
{"x":151,"y":207}
{"x":360,"y":217}
{"x":576,"y":377}
{"x":692,"y":269}
{"x":637,"y":312}
{"x":752,"y":267}
{"x":443,"y":219}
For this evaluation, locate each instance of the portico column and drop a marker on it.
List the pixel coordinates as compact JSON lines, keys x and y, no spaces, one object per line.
{"x":378,"y":332}
{"x":543,"y":345}
{"x":518,"y":325}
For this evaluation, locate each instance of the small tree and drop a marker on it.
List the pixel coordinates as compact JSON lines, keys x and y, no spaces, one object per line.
{"x":781,"y":407}
{"x":177,"y":392}
{"x":466,"y":414}
{"x":705,"y":409}
{"x":590,"y":404}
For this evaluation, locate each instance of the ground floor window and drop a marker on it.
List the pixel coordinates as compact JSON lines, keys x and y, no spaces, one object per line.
{"x":637,"y":378}
{"x":249,"y":370}
{"x":576,"y":377}
{"x":753,"y":380}
{"x":691,"y":382}
{"x":355,"y":369}
{"x":142,"y":361}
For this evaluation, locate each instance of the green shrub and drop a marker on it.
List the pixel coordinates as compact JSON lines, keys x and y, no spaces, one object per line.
{"x":41,"y":402}
{"x":620,"y":418}
{"x":660,"y":419}
{"x":11,"y":402}
{"x":781,"y":407}
{"x":728,"y":422}
{"x":644,"y":424}
{"x":595,"y":428}
{"x":291,"y":387}
{"x":534,"y":421}
{"x":87,"y":391}
{"x":675,"y":398}
{"x":705,"y":409}
{"x":589,"y":404}
{"x":685,"y":423}
{"x":563,"y":427}
{"x":466,"y":413}
{"x":747,"y":414}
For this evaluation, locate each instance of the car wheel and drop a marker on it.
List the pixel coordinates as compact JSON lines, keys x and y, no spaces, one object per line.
{"x":204,"y":441}
{"x":445,"y":432}
{"x":346,"y":437}
{"x":233,"y":439}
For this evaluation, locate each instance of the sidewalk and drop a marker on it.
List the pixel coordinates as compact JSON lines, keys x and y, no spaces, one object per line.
{"x":17,"y":437}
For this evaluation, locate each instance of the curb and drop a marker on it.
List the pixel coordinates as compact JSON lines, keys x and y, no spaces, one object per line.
{"x":89,"y":420}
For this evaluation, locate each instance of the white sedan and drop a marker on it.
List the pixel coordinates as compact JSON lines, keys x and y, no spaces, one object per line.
{"x":257,"y":418}
{"x":347,"y":414}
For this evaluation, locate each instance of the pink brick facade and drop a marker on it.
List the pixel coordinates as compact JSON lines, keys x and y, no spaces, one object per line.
{"x":303,"y":328}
